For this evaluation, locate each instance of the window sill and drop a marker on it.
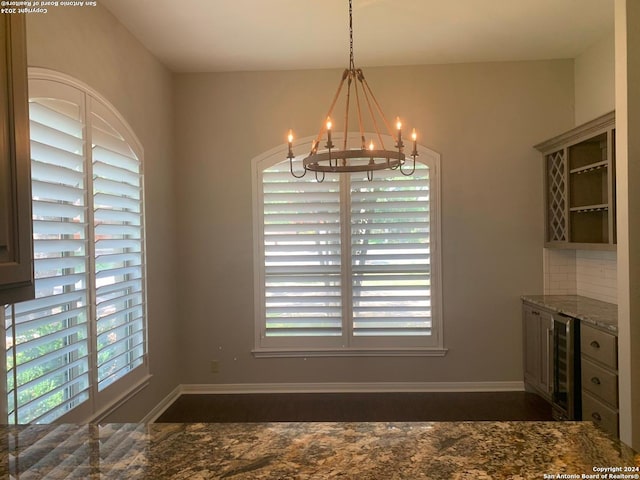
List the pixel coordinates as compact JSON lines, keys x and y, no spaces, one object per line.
{"x":352,"y":352}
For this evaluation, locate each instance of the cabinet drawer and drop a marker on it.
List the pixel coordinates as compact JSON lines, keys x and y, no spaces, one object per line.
{"x":599,"y":345}
{"x":600,"y":382}
{"x":600,"y":414}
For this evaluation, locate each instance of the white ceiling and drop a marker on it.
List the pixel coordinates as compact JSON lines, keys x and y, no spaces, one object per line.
{"x":232,"y":35}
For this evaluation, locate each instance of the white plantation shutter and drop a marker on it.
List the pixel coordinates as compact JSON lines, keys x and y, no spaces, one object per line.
{"x":390,"y":254}
{"x":86,"y":329}
{"x":47,"y":338}
{"x":302,"y":264}
{"x":346,"y":264}
{"x":117,"y":203}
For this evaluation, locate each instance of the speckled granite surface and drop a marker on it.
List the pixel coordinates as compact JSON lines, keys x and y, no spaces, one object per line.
{"x":599,"y":314}
{"x":439,"y":451}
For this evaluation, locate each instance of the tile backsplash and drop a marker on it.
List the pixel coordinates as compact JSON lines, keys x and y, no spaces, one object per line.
{"x":559,"y":272}
{"x":590,"y":273}
{"x":597,"y":275}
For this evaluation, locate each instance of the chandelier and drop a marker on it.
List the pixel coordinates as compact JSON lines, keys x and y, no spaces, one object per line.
{"x":363,"y":157}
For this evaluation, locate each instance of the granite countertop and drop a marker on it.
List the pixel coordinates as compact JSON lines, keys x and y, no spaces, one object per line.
{"x":362,"y":451}
{"x":595,"y":312}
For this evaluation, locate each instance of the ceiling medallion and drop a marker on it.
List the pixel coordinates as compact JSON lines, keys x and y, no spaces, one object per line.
{"x":363,"y":158}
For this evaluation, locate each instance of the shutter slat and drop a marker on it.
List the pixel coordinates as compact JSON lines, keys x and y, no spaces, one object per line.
{"x":23,"y":325}
{"x":48,"y":339}
{"x":50,"y":136}
{"x":60,"y":246}
{"x":270,"y":186}
{"x":371,"y":258}
{"x":47,"y":227}
{"x":135,"y":285}
{"x":116,"y":216}
{"x":112,"y":187}
{"x":46,"y":303}
{"x":417,"y":236}
{"x":45,"y":153}
{"x":308,"y":198}
{"x":58,"y":282}
{"x":114,"y":258}
{"x":133,"y":231}
{"x":389,"y":218}
{"x":385,"y":269}
{"x":119,"y":272}
{"x":388,"y":228}
{"x":113,"y":148}
{"x":322,"y":219}
{"x":115,"y":173}
{"x":59,"y":263}
{"x":297,"y":208}
{"x":55,"y":174}
{"x":45,"y":115}
{"x":118,"y":245}
{"x":43,"y":208}
{"x":301,"y":269}
{"x":65,"y":193}
{"x":103,"y":199}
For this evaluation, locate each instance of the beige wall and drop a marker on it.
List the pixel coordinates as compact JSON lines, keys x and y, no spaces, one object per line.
{"x":91,"y":45}
{"x":482,"y":118}
{"x":595,"y":80}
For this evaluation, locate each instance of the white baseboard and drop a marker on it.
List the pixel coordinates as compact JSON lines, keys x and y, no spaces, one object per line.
{"x":353,"y":387}
{"x":374,"y":387}
{"x":165,"y":403}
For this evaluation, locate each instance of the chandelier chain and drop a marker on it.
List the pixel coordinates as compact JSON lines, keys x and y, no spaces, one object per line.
{"x":352,"y":64}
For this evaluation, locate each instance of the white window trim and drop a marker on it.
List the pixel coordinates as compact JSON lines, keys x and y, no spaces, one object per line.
{"x":101,"y":403}
{"x":277,"y":155}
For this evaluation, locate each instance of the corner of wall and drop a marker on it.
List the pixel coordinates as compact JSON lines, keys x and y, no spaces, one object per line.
{"x":594,"y":80}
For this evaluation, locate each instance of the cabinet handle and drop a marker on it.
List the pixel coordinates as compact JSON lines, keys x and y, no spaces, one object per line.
{"x":596,"y":416}
{"x":595,"y":344}
{"x":595,"y":380}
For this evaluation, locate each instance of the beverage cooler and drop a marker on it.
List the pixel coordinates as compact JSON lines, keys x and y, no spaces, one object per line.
{"x":566,"y":398}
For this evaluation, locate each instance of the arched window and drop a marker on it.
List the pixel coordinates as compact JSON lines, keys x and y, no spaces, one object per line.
{"x":347,"y":266}
{"x":81,"y":343}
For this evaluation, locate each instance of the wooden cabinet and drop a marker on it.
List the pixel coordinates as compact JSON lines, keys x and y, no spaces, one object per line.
{"x":538,"y":351}
{"x":599,"y":364}
{"x":16,"y":245}
{"x":580,"y":186}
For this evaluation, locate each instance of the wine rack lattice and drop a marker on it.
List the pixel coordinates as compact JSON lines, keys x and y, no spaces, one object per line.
{"x":557,"y":198}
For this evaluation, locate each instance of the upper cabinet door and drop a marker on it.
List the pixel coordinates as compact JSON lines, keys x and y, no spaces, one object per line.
{"x":16,"y":244}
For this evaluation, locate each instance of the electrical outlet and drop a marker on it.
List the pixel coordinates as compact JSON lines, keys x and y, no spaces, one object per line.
{"x":215,"y":366}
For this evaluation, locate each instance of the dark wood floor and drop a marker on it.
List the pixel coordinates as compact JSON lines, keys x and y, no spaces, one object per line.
{"x":357,"y":407}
